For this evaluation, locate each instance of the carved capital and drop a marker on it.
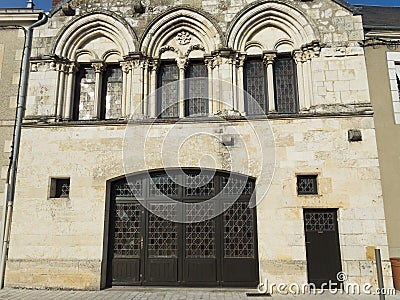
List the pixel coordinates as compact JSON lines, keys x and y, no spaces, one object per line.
{"x":182,"y":62}
{"x":71,"y":68}
{"x":126,"y":66}
{"x":269,"y":58}
{"x":98,"y":67}
{"x":298,"y":56}
{"x":153,"y":65}
{"x":241,"y":60}
{"x":213,"y":61}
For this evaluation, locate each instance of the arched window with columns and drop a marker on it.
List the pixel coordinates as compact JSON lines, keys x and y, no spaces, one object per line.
{"x":275,"y":43}
{"x":179,"y":49}
{"x":95,"y":69}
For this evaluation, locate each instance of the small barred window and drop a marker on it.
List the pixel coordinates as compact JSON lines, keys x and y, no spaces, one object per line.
{"x":60,"y":188}
{"x":307,"y":185}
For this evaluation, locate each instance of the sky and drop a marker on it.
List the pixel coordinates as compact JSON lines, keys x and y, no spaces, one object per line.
{"x":46,"y":4}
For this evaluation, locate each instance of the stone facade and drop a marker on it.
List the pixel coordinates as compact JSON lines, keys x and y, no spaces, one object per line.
{"x":62,"y":242}
{"x":11,"y":51}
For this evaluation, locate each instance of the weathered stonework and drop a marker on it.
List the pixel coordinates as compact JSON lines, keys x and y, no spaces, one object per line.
{"x":68,"y":246}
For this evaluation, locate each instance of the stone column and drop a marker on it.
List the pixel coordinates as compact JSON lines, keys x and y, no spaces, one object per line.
{"x":126,"y":68}
{"x":233,"y":62}
{"x":182,"y":64}
{"x":145,"y":87}
{"x":213,"y":63}
{"x":71,"y":70}
{"x":62,"y":71}
{"x":240,"y":82}
{"x":269,"y":58}
{"x":135,"y":88}
{"x":299,"y":59}
{"x":153,"y":66}
{"x":99,"y":68}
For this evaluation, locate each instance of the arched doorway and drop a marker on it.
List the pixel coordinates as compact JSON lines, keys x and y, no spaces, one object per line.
{"x":220,"y":249}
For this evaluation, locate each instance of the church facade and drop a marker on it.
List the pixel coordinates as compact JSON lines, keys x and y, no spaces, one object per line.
{"x":197,"y":143}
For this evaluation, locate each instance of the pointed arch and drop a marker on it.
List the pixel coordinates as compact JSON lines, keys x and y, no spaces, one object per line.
{"x":88,"y":27}
{"x":176,"y":20}
{"x":272,"y":14}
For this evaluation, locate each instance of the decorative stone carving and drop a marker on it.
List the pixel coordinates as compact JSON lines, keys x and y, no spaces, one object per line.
{"x":269,"y":58}
{"x":183,"y":38}
{"x":182,"y":62}
{"x":193,"y":48}
{"x":213,"y":61}
{"x":98,"y":67}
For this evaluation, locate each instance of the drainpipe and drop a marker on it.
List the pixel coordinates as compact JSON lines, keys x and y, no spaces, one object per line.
{"x":9,"y":201}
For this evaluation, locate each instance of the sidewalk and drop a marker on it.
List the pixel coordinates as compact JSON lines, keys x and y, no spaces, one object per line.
{"x":136,"y":293}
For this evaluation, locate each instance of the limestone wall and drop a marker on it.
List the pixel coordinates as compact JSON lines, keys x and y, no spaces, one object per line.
{"x":60,"y":243}
{"x":11,"y":45}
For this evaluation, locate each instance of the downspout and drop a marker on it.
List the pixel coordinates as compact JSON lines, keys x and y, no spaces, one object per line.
{"x":6,"y":226}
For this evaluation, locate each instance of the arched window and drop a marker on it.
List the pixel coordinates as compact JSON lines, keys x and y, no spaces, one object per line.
{"x":255,"y":84}
{"x":168,"y":90}
{"x":98,"y":92}
{"x":172,"y":85}
{"x":196,"y":103}
{"x":285,"y":84}
{"x":282,"y":95}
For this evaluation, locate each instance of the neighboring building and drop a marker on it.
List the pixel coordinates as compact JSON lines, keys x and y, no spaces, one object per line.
{"x":382,"y":53}
{"x":12,"y":22}
{"x":312,"y":167}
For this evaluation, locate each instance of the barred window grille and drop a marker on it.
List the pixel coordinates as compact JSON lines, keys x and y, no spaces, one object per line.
{"x":285,"y":82}
{"x":196,"y":103}
{"x":256,"y":86}
{"x":59,"y":187}
{"x":307,"y":185}
{"x":168,"y":85}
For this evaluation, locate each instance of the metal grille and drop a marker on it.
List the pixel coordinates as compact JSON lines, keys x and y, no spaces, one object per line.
{"x":199,"y":185}
{"x":162,"y":234}
{"x":200,"y":237}
{"x":168,"y":77}
{"x":319,"y":222}
{"x":235,"y":186}
{"x":62,"y":187}
{"x":129,"y":189}
{"x":113,"y":95}
{"x":255,"y":85}
{"x":307,"y":184}
{"x":86,"y":105}
{"x":238,"y":230}
{"x":128,"y":217}
{"x":285,"y":85}
{"x":163,"y":185}
{"x":197,"y":90}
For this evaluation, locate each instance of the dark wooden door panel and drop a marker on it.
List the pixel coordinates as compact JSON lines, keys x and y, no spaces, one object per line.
{"x":236,"y":271}
{"x":198,"y":271}
{"x":322,"y":246}
{"x":126,"y":271}
{"x":162,"y":271}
